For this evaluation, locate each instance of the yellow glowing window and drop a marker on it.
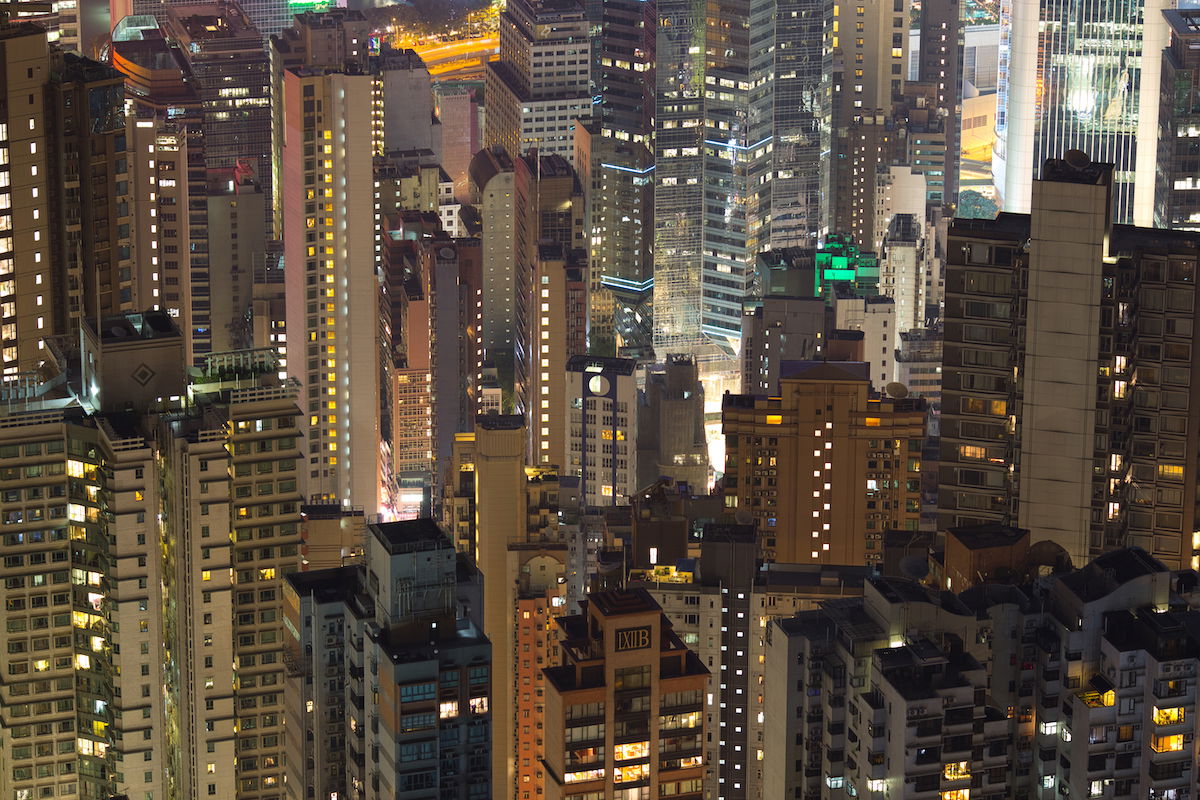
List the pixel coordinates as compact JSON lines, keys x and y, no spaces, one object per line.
{"x":585,"y":775}
{"x":632,"y":750}
{"x":266,"y":573}
{"x":326,"y":134}
{"x":448,"y":709}
{"x":774,"y":419}
{"x":1170,"y":471}
{"x":41,"y":665}
{"x":83,"y":661}
{"x":873,"y":422}
{"x":972,"y":452}
{"x":206,"y":575}
{"x":956,"y":794}
{"x":606,"y":490}
{"x":1168,"y":716}
{"x":957,"y":770}
{"x":1167,"y":744}
{"x":634,"y":772}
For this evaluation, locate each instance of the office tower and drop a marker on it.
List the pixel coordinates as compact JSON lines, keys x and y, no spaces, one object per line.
{"x":602,"y":412}
{"x":388,"y":672}
{"x":231,"y":70}
{"x":559,"y":332}
{"x":614,"y":155}
{"x":725,"y":131}
{"x":540,"y":86}
{"x":66,"y":256}
{"x":671,"y":441}
{"x":1061,"y":89}
{"x":88,"y":162}
{"x":619,"y":175}
{"x":1112,"y":470}
{"x":332,"y":304}
{"x":798,"y":464}
{"x":625,"y":674}
{"x":1176,"y":197}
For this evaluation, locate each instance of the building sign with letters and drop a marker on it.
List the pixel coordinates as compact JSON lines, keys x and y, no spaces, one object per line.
{"x":633,"y":638}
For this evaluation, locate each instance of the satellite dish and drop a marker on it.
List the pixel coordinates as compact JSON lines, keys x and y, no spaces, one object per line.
{"x":896,"y":390}
{"x":118,"y":331}
{"x":1077,"y":158}
{"x":447,"y":253}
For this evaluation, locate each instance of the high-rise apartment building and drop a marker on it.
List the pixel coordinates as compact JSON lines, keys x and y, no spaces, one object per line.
{"x":1062,"y":409}
{"x":389,"y":673}
{"x":826,"y":466}
{"x":540,"y":87}
{"x":560,"y":320}
{"x":624,"y":712}
{"x":983,"y":694}
{"x":328,"y":216}
{"x":523,"y":203}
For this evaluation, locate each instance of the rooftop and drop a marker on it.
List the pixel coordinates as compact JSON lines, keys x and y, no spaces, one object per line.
{"x":617,"y":603}
{"x":825,"y":371}
{"x":407,"y":535}
{"x":988,"y":535}
{"x":621,"y":366}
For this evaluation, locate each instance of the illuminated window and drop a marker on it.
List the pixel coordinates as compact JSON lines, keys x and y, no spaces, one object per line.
{"x":1050,"y":728}
{"x":585,"y":775}
{"x":957,"y":770}
{"x":1167,"y":744}
{"x":630,"y":751}
{"x":972,"y":452}
{"x":774,"y":419}
{"x":872,"y":422}
{"x":206,"y":575}
{"x":1168,"y":716}
{"x":448,"y":709}
{"x":876,"y":784}
{"x":1173,"y":472}
{"x":956,"y":794}
{"x":633,"y":772}
{"x":479,"y":705}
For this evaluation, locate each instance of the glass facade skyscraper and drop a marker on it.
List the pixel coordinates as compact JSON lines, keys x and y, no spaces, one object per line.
{"x":1079,"y":75}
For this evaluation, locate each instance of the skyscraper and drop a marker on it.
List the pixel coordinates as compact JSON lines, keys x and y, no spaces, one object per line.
{"x":1062,"y":409}
{"x":1080,"y":76}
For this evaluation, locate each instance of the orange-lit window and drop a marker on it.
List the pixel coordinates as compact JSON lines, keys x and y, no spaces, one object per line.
{"x":774,"y":419}
{"x":1167,"y":744}
{"x":873,"y":422}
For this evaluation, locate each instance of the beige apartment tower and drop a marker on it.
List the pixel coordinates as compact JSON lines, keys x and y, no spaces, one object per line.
{"x":826,"y":467}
